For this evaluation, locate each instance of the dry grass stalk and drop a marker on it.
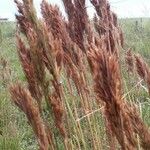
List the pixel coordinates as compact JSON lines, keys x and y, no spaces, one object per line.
{"x":45,"y":52}
{"x":140,"y":128}
{"x":73,"y":56}
{"x":26,"y":26}
{"x":78,"y":20}
{"x":107,"y":26}
{"x":22,"y":98}
{"x":76,"y":28}
{"x":72,"y":53}
{"x":129,"y":61}
{"x":143,"y":70}
{"x":106,"y":74}
{"x":27,"y":65}
{"x":56,"y":25}
{"x":103,"y":65}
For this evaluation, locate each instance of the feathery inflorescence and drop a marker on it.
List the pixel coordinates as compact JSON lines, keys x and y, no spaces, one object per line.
{"x":106,"y":74}
{"x":143,"y":70}
{"x":44,"y":52}
{"x":129,"y":61}
{"x":78,"y":20}
{"x":26,"y":103}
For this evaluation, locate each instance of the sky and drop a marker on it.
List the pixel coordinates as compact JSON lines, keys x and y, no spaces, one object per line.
{"x":123,"y":8}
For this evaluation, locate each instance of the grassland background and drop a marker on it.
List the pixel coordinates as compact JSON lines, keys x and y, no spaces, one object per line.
{"x":15,"y":133}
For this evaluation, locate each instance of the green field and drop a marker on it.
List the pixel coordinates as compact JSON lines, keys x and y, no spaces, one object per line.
{"x":15,"y":132}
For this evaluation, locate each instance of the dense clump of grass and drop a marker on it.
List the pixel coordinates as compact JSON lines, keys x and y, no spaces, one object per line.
{"x":73,"y":97}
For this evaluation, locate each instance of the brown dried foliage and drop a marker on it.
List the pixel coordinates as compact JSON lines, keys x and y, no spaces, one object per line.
{"x":129,"y":61}
{"x":55,"y":45}
{"x":27,"y":65}
{"x":106,"y":74}
{"x":105,"y":68}
{"x":143,"y":70}
{"x":107,"y":26}
{"x":25,"y":102}
{"x":139,"y":127}
{"x":44,"y":52}
{"x":78,"y":20}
